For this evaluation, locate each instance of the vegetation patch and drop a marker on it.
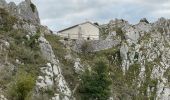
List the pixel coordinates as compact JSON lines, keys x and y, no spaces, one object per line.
{"x":7,"y":20}
{"x":149,"y":83}
{"x":96,"y":83}
{"x":67,"y":66}
{"x":21,"y":87}
{"x":33,"y":7}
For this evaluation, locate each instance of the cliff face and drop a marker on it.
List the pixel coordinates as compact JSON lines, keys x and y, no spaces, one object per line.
{"x":26,"y":10}
{"x":146,"y":44}
{"x":36,"y":65}
{"x":28,"y":67}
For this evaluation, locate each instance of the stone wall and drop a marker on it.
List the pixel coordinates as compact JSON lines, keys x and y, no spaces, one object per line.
{"x":95,"y":45}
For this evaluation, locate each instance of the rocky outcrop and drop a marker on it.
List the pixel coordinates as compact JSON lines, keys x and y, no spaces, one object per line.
{"x":3,"y":4}
{"x":26,"y":10}
{"x":52,"y":75}
{"x":77,"y":66}
{"x":148,"y":45}
{"x":123,"y":53}
{"x":2,"y":97}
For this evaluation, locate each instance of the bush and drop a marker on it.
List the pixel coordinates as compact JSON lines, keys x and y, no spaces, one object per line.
{"x":33,"y":42}
{"x":33,"y":7}
{"x":96,"y":84}
{"x":21,"y":87}
{"x":7,"y":20}
{"x":86,"y":48}
{"x":120,"y":33}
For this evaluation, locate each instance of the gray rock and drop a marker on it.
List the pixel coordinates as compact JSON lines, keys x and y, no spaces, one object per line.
{"x":3,"y":4}
{"x":53,"y":75}
{"x":96,"y":45}
{"x":28,"y":11}
{"x":77,"y":66}
{"x":2,"y":97}
{"x":12,"y":7}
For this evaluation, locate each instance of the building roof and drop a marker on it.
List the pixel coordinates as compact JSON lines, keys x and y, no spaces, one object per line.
{"x":76,"y":26}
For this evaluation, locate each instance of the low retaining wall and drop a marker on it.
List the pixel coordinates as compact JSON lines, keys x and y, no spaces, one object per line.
{"x":96,"y":45}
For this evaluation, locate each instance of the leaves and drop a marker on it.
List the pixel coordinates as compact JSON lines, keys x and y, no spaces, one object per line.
{"x":96,"y":84}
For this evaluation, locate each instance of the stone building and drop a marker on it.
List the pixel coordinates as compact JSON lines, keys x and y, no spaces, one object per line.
{"x":86,"y":31}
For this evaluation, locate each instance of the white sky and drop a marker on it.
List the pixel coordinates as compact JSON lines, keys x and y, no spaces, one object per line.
{"x":58,"y":14}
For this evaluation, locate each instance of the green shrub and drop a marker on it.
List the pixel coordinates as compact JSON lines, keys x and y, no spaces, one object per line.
{"x":120,"y":33}
{"x":33,"y":7}
{"x":86,"y":48}
{"x":96,"y":84}
{"x":21,"y":87}
{"x":132,"y":74}
{"x":7,"y":20}
{"x":57,"y":46}
{"x":33,"y":42}
{"x":104,"y":32}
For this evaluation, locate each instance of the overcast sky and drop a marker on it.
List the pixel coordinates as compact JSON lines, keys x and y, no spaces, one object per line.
{"x":59,"y":14}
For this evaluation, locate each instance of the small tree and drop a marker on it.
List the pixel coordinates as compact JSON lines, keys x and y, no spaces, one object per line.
{"x":96,"y":84}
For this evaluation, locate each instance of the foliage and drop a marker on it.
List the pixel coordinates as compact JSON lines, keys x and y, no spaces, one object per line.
{"x":104,"y":32}
{"x":167,"y":74}
{"x":33,"y":42}
{"x":132,"y":73}
{"x":27,"y":51}
{"x":120,"y":33}
{"x":96,"y":84}
{"x":149,"y":83}
{"x":7,"y":20}
{"x":57,"y":46}
{"x":30,"y":59}
{"x":66,"y":65}
{"x":86,"y":48}
{"x":22,"y":86}
{"x":33,"y":7}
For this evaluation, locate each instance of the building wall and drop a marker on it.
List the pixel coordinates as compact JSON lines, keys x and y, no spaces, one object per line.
{"x":90,"y":31}
{"x":87,"y":30}
{"x":70,"y":33}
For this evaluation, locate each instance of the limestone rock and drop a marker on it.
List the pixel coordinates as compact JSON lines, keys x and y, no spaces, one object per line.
{"x":77,"y":66}
{"x":2,"y":97}
{"x":28,"y":11}
{"x":56,"y":97}
{"x":12,"y":7}
{"x":3,"y":4}
{"x":53,"y":75}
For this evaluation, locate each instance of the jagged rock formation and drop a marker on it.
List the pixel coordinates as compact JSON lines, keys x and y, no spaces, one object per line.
{"x":139,"y":56}
{"x":148,"y":45}
{"x":52,"y":73}
{"x":26,"y":10}
{"x":3,"y":4}
{"x":26,"y":24}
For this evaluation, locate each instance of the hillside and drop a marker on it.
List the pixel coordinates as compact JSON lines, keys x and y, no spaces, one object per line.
{"x":129,"y":62}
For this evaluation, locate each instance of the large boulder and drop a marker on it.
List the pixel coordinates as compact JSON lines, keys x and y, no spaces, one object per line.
{"x":28,"y":11}
{"x":3,"y":4}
